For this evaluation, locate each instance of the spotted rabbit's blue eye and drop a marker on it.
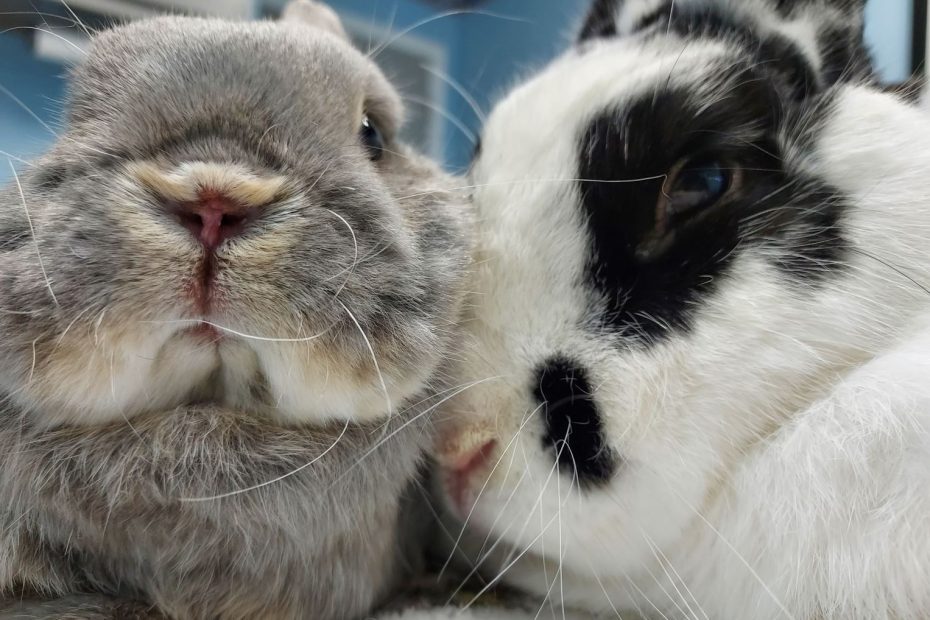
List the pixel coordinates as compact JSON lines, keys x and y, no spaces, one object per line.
{"x":696,"y":186}
{"x":372,"y":139}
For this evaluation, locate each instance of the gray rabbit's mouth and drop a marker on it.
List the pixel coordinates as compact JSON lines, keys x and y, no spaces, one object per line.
{"x":222,"y":370}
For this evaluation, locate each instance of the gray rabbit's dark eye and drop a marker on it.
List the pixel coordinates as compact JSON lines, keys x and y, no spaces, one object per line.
{"x":697,"y":185}
{"x":372,"y":139}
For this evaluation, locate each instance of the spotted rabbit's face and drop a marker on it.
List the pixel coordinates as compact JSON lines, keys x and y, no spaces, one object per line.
{"x":654,"y":241}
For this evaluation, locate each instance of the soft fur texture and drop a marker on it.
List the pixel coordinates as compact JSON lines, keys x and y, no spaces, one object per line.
{"x":143,"y":376}
{"x":711,"y":413}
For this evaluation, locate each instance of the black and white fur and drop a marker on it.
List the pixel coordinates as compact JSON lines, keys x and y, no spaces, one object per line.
{"x":721,"y":412}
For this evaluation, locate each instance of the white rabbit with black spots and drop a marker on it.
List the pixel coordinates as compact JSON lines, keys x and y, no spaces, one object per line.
{"x":703,"y":278}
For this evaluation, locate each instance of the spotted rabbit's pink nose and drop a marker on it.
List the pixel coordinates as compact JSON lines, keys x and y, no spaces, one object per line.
{"x":213,"y":218}
{"x":462,"y":471}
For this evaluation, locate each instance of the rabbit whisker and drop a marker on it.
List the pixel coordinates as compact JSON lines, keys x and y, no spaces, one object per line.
{"x":468,"y":517}
{"x":610,"y":602}
{"x":49,"y":32}
{"x":77,"y":20}
{"x":261,"y":485}
{"x":32,"y":231}
{"x":537,"y":506}
{"x":241,"y":334}
{"x":374,"y":358}
{"x":407,"y":423}
{"x":534,"y":181}
{"x":426,"y":21}
{"x":19,"y":102}
{"x":12,"y":157}
{"x":511,"y":560}
{"x":354,"y":265}
{"x":456,"y":121}
{"x":457,"y":87}
{"x":733,"y":549}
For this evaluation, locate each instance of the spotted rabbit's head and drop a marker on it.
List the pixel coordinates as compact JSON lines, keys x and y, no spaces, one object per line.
{"x":664,"y":277}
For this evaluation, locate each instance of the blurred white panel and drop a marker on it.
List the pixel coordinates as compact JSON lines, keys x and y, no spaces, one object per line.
{"x":235,"y":9}
{"x":62,"y":45}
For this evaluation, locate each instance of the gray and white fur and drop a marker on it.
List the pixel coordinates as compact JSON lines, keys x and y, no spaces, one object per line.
{"x":227,"y":296}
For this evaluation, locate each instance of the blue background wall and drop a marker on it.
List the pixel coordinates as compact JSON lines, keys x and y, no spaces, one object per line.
{"x":39,"y":86}
{"x":888,"y":29}
{"x":486,"y":54}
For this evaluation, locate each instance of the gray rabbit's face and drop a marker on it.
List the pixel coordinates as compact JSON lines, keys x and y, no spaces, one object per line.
{"x":228,"y":218}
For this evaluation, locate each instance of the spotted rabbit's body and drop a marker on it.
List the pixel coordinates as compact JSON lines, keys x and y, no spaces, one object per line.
{"x":715,"y":329}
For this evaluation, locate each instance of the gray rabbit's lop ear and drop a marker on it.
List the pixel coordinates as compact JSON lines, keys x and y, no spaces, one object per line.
{"x":315,"y":14}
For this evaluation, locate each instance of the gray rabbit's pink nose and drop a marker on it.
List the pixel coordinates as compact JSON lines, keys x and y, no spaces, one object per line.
{"x":213,"y":218}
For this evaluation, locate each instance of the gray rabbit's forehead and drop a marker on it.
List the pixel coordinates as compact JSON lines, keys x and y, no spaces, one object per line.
{"x":169,"y":69}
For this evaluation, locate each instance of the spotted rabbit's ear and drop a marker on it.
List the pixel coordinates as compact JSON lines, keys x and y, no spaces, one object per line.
{"x":811,"y":44}
{"x":789,"y":6}
{"x":314,"y":14}
{"x":611,"y":18}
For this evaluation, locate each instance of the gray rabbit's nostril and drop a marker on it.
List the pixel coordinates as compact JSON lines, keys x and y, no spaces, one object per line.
{"x":213,"y":219}
{"x":574,"y":429}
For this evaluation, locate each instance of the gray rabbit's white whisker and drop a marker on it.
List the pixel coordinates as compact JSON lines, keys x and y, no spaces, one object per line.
{"x":533,"y":181}
{"x":19,"y":102}
{"x":351,"y":268}
{"x":419,"y":415}
{"x":16,"y":159}
{"x":48,"y":32}
{"x":77,"y":20}
{"x":374,"y":358}
{"x":456,"y":121}
{"x":32,"y":231}
{"x":433,"y":18}
{"x":460,"y":89}
{"x":267,"y":483}
{"x":64,"y":333}
{"x":234,"y":332}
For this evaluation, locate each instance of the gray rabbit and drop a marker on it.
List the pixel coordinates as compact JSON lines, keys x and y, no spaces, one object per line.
{"x":227,"y":298}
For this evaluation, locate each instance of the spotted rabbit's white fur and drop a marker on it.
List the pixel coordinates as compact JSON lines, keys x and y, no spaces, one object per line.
{"x":720,"y":414}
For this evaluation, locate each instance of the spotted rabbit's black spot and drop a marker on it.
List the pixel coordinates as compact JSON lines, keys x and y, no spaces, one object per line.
{"x":574,"y":432}
{"x":601,"y":21}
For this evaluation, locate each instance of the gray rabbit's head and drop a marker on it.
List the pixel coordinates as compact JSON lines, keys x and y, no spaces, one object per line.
{"x":228,"y":217}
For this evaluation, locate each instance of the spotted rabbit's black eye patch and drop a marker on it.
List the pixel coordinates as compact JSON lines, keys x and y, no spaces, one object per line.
{"x":679,"y":183}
